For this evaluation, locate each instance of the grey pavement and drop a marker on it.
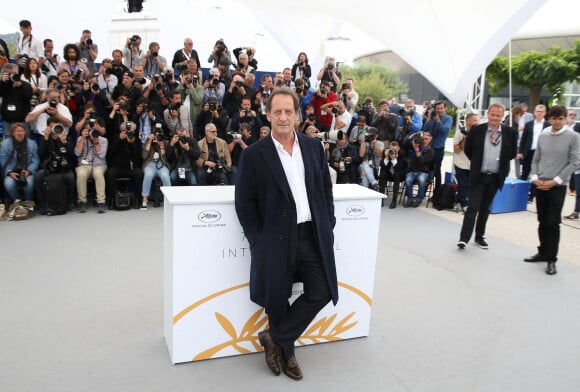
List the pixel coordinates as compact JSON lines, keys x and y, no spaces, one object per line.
{"x":81,"y":300}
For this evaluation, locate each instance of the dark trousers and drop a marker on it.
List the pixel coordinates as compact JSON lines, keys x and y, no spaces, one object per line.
{"x":462,"y":177}
{"x":437,"y":160}
{"x":113,"y":173}
{"x":526,"y":168}
{"x":549,"y":205}
{"x":386,"y":176}
{"x":307,"y":269}
{"x":480,"y":199}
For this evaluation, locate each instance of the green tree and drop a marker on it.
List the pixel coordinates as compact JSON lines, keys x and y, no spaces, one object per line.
{"x":377,"y":81}
{"x":536,"y":70}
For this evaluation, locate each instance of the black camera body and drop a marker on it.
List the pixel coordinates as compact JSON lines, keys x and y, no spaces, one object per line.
{"x":239,"y":83}
{"x":417,"y":138}
{"x":334,"y":110}
{"x":183,"y":139}
{"x":406,"y":112}
{"x":212,"y":107}
{"x":53,"y":103}
{"x":14,"y":77}
{"x":94,"y":133}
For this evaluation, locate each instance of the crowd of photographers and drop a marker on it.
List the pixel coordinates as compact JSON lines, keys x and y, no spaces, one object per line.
{"x":137,"y":117}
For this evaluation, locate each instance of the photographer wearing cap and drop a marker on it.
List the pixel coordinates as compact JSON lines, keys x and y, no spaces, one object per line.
{"x":386,"y":123}
{"x":153,"y":63}
{"x":58,"y":153}
{"x":370,"y":153}
{"x":91,"y":152}
{"x":16,"y":95}
{"x":19,"y":161}
{"x":213,"y":113}
{"x":330,"y":73}
{"x":124,"y":157}
{"x":214,"y":163}
{"x":89,"y":50}
{"x":182,"y":153}
{"x":127,"y":89}
{"x":132,"y":53}
{"x":420,"y":166}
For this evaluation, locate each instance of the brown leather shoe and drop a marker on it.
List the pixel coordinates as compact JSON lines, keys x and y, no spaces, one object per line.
{"x":291,"y":368}
{"x":272,"y":351}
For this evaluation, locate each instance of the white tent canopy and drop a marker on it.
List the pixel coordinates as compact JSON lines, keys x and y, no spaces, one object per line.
{"x":449,"y":42}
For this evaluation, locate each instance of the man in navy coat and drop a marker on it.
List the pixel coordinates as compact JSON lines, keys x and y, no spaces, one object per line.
{"x":285,"y":205}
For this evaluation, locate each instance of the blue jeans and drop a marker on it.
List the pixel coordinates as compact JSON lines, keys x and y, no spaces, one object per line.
{"x":190,"y":178}
{"x":12,"y":189}
{"x":462,"y":176}
{"x":369,"y":177}
{"x":150,"y":172}
{"x":421,"y":179}
{"x":577,"y":187}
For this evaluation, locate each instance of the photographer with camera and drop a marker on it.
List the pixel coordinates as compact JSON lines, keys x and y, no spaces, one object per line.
{"x":234,"y":94}
{"x":153,"y":63}
{"x":238,"y":142}
{"x":58,"y":150}
{"x":28,"y":46}
{"x":176,"y":116}
{"x":19,"y":161}
{"x":127,"y":89}
{"x":245,"y":115}
{"x":118,"y":116}
{"x":386,"y":123}
{"x":287,"y":78}
{"x":309,"y":119}
{"x":73,"y":64}
{"x":393,"y":169}
{"x":89,"y":51}
{"x":182,"y":153}
{"x":341,"y":118}
{"x":51,"y":108}
{"x":438,"y":126}
{"x":409,"y":120}
{"x":370,"y":153}
{"x":91,"y":152}
{"x":219,"y":54}
{"x":261,"y":97}
{"x":420,"y":166}
{"x":132,"y":53}
{"x":124,"y":160}
{"x":117,"y":67}
{"x":92,"y":94}
{"x":368,"y":110}
{"x":213,"y":87}
{"x":330,"y":73}
{"x":344,"y":158}
{"x":50,"y":64}
{"x":191,"y":93}
{"x":141,"y":82}
{"x":304,"y":94}
{"x":213,"y":113}
{"x":323,"y":96}
{"x":16,"y":95}
{"x":155,"y":164}
{"x":214,"y":163}
{"x":184,"y":55}
{"x":359,"y":131}
{"x":301,"y":69}
{"x":89,"y":117}
{"x":243,"y":58}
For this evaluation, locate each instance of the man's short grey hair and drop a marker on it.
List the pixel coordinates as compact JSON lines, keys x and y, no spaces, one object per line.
{"x":208,"y":126}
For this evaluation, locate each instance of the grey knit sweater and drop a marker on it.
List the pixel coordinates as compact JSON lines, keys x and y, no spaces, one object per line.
{"x":557,"y":155}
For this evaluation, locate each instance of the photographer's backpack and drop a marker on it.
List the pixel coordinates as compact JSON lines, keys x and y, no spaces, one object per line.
{"x":444,"y":196}
{"x":55,"y":194}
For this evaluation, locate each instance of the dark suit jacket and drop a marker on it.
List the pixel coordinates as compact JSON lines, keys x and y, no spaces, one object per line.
{"x":474,"y":151}
{"x":528,"y":136}
{"x":267,"y":213}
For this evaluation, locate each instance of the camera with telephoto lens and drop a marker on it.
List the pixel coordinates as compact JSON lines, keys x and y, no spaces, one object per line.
{"x":232,"y":136}
{"x":406,"y":112}
{"x":141,"y":81}
{"x":334,"y":110}
{"x":188,"y":81}
{"x":58,"y":160}
{"x":14,"y":77}
{"x":265,"y":94}
{"x":432,"y":114}
{"x":159,"y":134}
{"x":154,"y":53}
{"x":343,"y":162}
{"x":330,"y":136}
{"x":212,"y":107}
{"x":94,"y":133}
{"x":57,"y":129}
{"x":299,"y":90}
{"x":93,"y":114}
{"x":311,"y":117}
{"x":88,"y":41}
{"x":130,"y":126}
{"x":215,"y":82}
{"x":77,"y":75}
{"x":371,"y":135}
{"x":390,"y":151}
{"x":53,"y":103}
{"x":417,"y":138}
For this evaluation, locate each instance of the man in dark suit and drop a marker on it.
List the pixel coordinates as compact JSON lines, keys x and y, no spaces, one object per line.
{"x":285,"y":205}
{"x":490,"y":148}
{"x":530,"y":135}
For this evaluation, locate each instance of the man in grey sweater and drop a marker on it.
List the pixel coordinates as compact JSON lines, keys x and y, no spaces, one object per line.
{"x":557,"y":156}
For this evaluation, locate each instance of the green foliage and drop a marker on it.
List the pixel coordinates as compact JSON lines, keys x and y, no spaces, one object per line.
{"x":374,"y":80}
{"x":537,"y":70}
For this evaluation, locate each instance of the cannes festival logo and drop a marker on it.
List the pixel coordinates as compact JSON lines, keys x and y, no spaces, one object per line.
{"x":355,"y":210}
{"x":209,"y":216}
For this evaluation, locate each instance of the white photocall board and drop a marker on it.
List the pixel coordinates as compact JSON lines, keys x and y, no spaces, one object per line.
{"x":207,"y":308}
